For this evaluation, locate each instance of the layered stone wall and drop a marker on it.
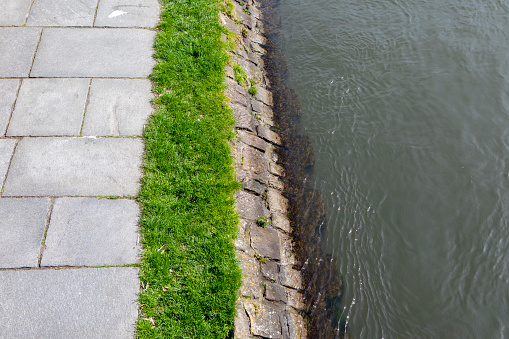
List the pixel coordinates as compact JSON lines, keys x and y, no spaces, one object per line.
{"x":270,"y":303}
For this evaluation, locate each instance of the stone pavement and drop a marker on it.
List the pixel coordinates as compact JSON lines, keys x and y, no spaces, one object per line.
{"x":74,"y":97}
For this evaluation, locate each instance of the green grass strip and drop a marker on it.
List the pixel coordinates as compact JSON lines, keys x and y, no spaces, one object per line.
{"x":189,"y":273}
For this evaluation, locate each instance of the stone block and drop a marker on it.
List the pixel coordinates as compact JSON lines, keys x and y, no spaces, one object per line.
{"x":296,"y":323}
{"x":230,"y":24}
{"x":266,"y":134}
{"x":287,"y":253}
{"x":6,"y":150}
{"x":275,"y":182}
{"x":242,"y":242}
{"x":250,"y":206}
{"x":276,"y":169}
{"x":118,"y":107}
{"x":8,"y":90}
{"x":69,"y":303}
{"x":127,"y":13}
{"x":14,"y":12}
{"x":49,"y":107}
{"x":281,"y":221}
{"x":264,"y":96}
{"x":92,"y":232}
{"x":250,"y":268}
{"x":22,"y":226}
{"x":265,"y":242}
{"x":270,"y":270}
{"x":275,"y":292}
{"x":252,"y":140}
{"x":276,"y":201}
{"x":17,"y":48}
{"x":62,"y":13}
{"x":243,"y":118}
{"x":290,"y":277}
{"x":253,"y":161}
{"x":264,"y":320}
{"x":75,"y":167}
{"x":294,"y":298}
{"x":253,"y":186}
{"x":241,"y":327}
{"x":94,"y":52}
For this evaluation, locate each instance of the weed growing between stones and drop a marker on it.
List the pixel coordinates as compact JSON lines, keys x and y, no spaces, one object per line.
{"x":189,"y":273}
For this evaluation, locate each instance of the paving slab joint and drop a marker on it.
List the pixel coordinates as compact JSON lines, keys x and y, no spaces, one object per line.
{"x":8,"y":167}
{"x":36,"y":47}
{"x":43,"y":241}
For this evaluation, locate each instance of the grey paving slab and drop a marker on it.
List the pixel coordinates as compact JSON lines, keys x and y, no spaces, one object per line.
{"x":69,"y":303}
{"x":62,"y":13}
{"x":17,"y":48}
{"x":75,"y":167}
{"x":94,"y":52}
{"x":6,"y":150}
{"x":8,"y":89}
{"x":47,"y":107}
{"x":127,"y":13}
{"x":117,"y":107}
{"x":92,"y":232}
{"x":22,"y":225}
{"x":14,"y":12}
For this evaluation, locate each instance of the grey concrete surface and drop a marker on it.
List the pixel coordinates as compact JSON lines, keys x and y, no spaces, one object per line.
{"x":22,"y":225}
{"x":92,"y":232}
{"x":8,"y":89}
{"x":127,"y":13}
{"x":17,"y":48}
{"x":94,"y":52}
{"x":48,"y":107}
{"x":14,"y":12}
{"x":62,"y":13}
{"x":118,"y":107}
{"x":6,"y":150}
{"x":69,"y":303}
{"x":75,"y":167}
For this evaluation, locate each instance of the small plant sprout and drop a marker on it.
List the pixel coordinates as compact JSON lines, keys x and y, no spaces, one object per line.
{"x":261,"y":258}
{"x":247,"y":11}
{"x":240,"y":75}
{"x":263,"y":222}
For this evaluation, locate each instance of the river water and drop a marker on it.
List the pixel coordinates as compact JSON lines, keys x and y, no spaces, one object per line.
{"x":406,"y":104}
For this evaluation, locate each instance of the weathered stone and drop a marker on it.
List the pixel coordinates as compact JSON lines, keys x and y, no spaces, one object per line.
{"x":276,"y":169}
{"x":94,"y":52}
{"x":242,"y":242}
{"x":294,"y":298}
{"x":75,"y":167}
{"x":265,"y":133}
{"x":17,"y":48}
{"x":276,"y":183}
{"x":257,"y":38}
{"x":270,"y":270}
{"x":229,"y":72}
{"x":275,"y":292}
{"x":287,"y":253}
{"x":264,"y":320}
{"x":49,"y":107}
{"x":281,"y":221}
{"x":253,"y":161}
{"x":14,"y":12}
{"x":6,"y":150}
{"x":241,"y":330}
{"x":244,"y":17}
{"x":22,"y":225}
{"x":127,"y":13}
{"x":296,"y":323}
{"x":277,"y":203}
{"x":254,"y":186}
{"x":250,"y":206}
{"x":118,"y":107}
{"x":69,"y":303}
{"x":8,"y":89}
{"x":265,"y":242}
{"x":256,"y":106}
{"x":62,"y":13}
{"x":252,"y":140}
{"x":243,"y":118}
{"x":92,"y":232}
{"x":290,"y":277}
{"x":250,"y":267}
{"x":257,"y":48}
{"x":253,"y":72}
{"x":230,"y":24}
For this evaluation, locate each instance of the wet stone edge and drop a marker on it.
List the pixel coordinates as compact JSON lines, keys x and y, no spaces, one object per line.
{"x":271,"y":298}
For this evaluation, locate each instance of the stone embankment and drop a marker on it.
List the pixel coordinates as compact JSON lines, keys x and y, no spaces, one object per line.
{"x":270,"y":303}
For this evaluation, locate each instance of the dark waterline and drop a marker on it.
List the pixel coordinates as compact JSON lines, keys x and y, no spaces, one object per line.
{"x":406,"y":105}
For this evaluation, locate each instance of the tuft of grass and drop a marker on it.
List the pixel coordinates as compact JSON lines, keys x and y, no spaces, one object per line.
{"x":188,"y":271}
{"x":240,"y":75}
{"x":247,"y":11}
{"x":252,"y":89}
{"x":263,"y":222}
